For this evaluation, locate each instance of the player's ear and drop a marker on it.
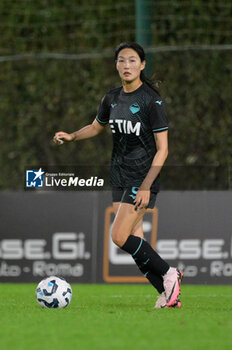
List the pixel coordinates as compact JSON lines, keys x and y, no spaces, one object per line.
{"x":143,"y":65}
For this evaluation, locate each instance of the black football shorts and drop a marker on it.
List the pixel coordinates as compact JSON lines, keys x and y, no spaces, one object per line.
{"x":127,"y":195}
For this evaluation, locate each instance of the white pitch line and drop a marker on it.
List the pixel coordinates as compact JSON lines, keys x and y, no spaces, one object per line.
{"x":155,"y":295}
{"x":208,"y":295}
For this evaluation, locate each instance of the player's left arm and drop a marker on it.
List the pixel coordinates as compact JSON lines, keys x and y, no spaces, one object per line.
{"x":143,"y":194}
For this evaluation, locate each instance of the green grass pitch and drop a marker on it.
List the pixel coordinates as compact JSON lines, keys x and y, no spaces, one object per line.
{"x":116,"y":317}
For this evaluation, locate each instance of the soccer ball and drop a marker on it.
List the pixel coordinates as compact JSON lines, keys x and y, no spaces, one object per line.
{"x":53,"y":292}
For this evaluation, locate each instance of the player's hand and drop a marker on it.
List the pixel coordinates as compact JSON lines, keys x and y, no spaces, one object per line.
{"x":142,"y":199}
{"x":61,"y":137}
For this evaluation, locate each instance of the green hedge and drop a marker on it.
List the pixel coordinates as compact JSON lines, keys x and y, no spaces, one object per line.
{"x":41,"y":96}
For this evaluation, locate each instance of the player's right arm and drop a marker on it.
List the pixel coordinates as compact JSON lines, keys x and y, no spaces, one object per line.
{"x":87,"y":132}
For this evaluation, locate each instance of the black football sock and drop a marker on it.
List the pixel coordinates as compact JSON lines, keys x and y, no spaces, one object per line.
{"x":142,"y":250}
{"x":155,"y":280}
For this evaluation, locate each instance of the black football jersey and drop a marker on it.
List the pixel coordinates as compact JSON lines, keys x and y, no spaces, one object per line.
{"x":133,"y":117}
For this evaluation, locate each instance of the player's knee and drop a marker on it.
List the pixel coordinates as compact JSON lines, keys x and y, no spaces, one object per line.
{"x":117,"y":237}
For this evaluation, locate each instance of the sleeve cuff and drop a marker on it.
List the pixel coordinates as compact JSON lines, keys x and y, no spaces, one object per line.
{"x":160,"y":129}
{"x":101,"y":122}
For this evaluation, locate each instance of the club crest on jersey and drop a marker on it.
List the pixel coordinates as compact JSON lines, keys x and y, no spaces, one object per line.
{"x":134,"y":108}
{"x":124,"y":126}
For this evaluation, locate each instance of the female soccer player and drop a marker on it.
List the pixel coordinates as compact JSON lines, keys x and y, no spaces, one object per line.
{"x":138,"y":121}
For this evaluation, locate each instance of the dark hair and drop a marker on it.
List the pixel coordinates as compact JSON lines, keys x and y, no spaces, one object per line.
{"x":140,"y":51}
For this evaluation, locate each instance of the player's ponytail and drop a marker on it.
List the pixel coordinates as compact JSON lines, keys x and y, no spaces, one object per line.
{"x":149,"y":82}
{"x":136,"y":47}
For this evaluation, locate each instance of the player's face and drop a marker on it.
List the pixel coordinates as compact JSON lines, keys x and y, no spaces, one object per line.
{"x":129,"y":65}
